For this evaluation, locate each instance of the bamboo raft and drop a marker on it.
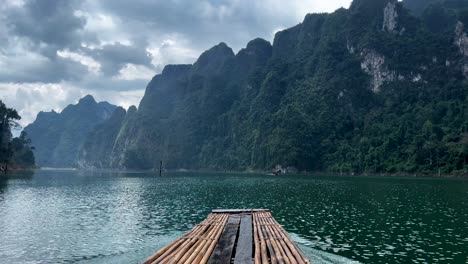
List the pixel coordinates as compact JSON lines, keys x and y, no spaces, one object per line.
{"x":249,"y":236}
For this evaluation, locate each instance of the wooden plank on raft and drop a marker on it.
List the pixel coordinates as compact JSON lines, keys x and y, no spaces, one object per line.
{"x":222,"y":253}
{"x":244,"y":250}
{"x":240,"y":236}
{"x":237,"y":211}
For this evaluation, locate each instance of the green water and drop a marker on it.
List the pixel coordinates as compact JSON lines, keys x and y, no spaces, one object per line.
{"x":84,"y":217}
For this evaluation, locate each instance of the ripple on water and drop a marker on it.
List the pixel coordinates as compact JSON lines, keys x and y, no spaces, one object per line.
{"x":318,"y":256}
{"x":63,"y":217}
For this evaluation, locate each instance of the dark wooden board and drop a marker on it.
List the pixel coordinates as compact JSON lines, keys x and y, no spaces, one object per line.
{"x":244,"y":250}
{"x":222,"y":252}
{"x":237,"y":211}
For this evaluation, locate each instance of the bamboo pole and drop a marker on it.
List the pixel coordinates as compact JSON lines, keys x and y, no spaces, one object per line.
{"x":263,"y":247}
{"x":273,"y":257}
{"x":187,"y":244}
{"x":281,"y":255}
{"x":294,"y":250}
{"x":271,"y":242}
{"x":195,"y":244}
{"x":213,"y":243}
{"x":258,"y":258}
{"x":182,"y":241}
{"x":202,"y":242}
{"x":162,"y":251}
{"x":284,"y":246}
{"x":169,"y":247}
{"x":206,"y":253}
{"x":169,"y":254}
{"x":200,"y":246}
{"x":288,"y":257}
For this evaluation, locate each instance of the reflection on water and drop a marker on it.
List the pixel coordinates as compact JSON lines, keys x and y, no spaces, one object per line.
{"x":69,"y":216}
{"x":20,"y":175}
{"x":3,"y":185}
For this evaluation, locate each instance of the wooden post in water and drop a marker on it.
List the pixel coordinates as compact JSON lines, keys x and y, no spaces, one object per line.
{"x":4,"y":168}
{"x":160,"y":168}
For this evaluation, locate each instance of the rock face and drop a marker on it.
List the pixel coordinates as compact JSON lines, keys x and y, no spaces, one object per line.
{"x":374,"y":65}
{"x":461,"y":40}
{"x":300,"y":38}
{"x":96,"y":150}
{"x":257,"y":53}
{"x":212,"y":60}
{"x":390,"y":17}
{"x":338,"y":91}
{"x":58,"y":136}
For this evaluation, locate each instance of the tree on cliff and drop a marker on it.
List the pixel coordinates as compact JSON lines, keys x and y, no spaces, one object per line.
{"x":17,"y":149}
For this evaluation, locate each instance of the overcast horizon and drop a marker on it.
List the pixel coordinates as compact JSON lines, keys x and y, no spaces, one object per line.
{"x":52,"y":52}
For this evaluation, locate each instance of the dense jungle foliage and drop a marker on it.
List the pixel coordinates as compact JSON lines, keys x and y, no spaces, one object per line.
{"x":380,"y":87}
{"x":14,"y":152}
{"x":57,"y":137}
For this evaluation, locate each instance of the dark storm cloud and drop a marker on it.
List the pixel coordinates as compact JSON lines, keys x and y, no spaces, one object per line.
{"x":117,"y":85}
{"x":36,"y":31}
{"x":43,"y":71}
{"x":49,"y":25}
{"x":54,"y":51}
{"x":46,"y":27}
{"x":114,"y":57}
{"x":203,"y":22}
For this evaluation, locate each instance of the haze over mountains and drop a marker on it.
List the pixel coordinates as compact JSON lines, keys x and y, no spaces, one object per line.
{"x":57,"y":137}
{"x":373,"y":88}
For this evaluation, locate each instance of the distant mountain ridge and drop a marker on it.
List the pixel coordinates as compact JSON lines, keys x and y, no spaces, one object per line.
{"x":57,"y":137}
{"x":375,"y":88}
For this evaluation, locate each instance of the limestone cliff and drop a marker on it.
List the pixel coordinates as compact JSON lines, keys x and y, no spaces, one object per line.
{"x":372,"y":88}
{"x":57,"y":137}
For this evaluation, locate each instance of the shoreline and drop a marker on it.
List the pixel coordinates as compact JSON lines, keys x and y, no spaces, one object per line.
{"x":427,"y":175}
{"x":463,"y":175}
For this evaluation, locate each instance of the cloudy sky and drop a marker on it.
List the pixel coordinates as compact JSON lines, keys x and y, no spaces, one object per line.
{"x":53,"y":52}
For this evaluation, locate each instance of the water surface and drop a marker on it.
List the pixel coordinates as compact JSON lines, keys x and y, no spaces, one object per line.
{"x":105,"y":217}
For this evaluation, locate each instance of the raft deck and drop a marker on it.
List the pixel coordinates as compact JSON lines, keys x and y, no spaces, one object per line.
{"x":233,"y":236}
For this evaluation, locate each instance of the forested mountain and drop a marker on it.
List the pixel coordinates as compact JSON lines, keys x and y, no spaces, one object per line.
{"x":372,"y":88}
{"x":97,"y":147}
{"x":57,"y":137}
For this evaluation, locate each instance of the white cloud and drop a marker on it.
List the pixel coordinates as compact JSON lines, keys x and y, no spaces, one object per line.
{"x":31,"y":98}
{"x":93,"y":66}
{"x":304,"y":7}
{"x":123,"y":98}
{"x":11,"y":3}
{"x":174,"y":49}
{"x":114,"y":33}
{"x":135,"y":72}
{"x":107,"y":27}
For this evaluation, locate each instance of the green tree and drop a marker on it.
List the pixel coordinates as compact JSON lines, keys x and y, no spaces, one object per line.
{"x":17,"y":151}
{"x":8,"y":118}
{"x":22,"y":151}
